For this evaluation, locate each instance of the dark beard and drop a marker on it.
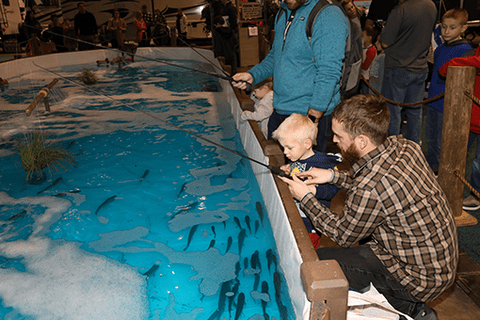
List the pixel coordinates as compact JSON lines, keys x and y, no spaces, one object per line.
{"x":350,"y":156}
{"x":297,"y":4}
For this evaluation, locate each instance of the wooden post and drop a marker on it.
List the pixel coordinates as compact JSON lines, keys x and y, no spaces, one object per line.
{"x":457,"y":112}
{"x":41,"y":95}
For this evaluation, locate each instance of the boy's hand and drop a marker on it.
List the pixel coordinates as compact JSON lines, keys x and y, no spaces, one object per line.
{"x":297,"y":187}
{"x":315,"y":176}
{"x":286,"y":168}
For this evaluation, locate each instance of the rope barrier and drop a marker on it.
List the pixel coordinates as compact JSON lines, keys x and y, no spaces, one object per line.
{"x":402,"y":104}
{"x":471,"y":96}
{"x":465,"y":182}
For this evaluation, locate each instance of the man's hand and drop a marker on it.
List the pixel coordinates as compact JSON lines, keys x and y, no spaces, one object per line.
{"x":315,"y":176}
{"x":242,"y":77}
{"x":297,"y":187}
{"x":315,"y":114}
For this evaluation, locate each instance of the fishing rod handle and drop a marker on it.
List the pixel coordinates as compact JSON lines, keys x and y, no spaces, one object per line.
{"x":279,"y":172}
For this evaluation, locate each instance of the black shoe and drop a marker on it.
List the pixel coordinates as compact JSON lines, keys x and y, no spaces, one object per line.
{"x":426,"y":313}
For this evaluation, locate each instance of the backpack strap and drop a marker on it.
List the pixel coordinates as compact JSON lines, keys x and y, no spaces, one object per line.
{"x":313,"y":16}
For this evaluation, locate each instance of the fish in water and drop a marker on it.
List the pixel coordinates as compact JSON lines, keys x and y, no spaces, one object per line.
{"x":264,"y":290}
{"x":229,"y":243}
{"x":240,"y":304}
{"x":256,"y":282}
{"x":18,"y":215}
{"x":255,"y":260}
{"x":259,"y":208}
{"x":184,"y":186}
{"x":52,"y":185}
{"x":212,"y":244}
{"x":145,"y":174}
{"x":106,"y":202}
{"x":190,"y":236}
{"x":271,"y":259}
{"x":213,"y":230}
{"x":230,"y":298}
{"x":151,"y":271}
{"x":237,"y":221}
{"x":245,"y":263}
{"x":257,"y":225}
{"x":221,"y":300}
{"x":241,"y":239}
{"x":247,"y":221}
{"x":277,"y":282}
{"x":237,"y":268}
{"x":185,"y":208}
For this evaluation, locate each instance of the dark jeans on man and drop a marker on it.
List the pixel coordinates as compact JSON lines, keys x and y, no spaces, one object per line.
{"x":324,"y":127}
{"x":362,"y":267}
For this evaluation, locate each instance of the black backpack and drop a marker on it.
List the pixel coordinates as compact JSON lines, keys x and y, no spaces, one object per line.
{"x":352,"y":63}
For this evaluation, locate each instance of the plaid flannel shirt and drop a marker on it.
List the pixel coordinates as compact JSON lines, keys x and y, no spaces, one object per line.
{"x":394,"y":197}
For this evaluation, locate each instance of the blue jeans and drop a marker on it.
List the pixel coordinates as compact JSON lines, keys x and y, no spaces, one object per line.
{"x":324,"y":127}
{"x":362,"y":267}
{"x":404,"y":86}
{"x":433,"y":134}
{"x":475,"y":178}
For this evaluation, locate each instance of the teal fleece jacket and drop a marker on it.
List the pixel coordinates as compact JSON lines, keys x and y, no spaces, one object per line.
{"x":306,"y":75}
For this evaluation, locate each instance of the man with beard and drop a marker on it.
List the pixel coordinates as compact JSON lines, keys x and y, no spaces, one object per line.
{"x":394,"y":201}
{"x":306,"y":74}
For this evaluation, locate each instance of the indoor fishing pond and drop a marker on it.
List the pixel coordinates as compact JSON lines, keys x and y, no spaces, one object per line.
{"x":147,"y":221}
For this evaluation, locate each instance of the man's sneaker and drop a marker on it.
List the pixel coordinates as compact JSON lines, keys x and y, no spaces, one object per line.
{"x":426,"y":313}
{"x":471,"y":203}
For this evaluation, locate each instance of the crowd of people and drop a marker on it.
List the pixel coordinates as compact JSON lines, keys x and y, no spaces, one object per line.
{"x":395,"y":209}
{"x":83,"y":32}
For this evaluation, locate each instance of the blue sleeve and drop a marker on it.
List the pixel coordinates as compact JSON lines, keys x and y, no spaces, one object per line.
{"x":330,"y":32}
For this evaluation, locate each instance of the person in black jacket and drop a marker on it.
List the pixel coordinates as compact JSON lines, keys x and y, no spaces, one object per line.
{"x":85,"y":28}
{"x":225,"y":42}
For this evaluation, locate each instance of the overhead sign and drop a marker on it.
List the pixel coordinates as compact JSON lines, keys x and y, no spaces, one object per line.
{"x":252,"y":10}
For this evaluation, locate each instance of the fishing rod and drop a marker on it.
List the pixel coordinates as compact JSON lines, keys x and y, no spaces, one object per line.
{"x":273,"y":169}
{"x":213,"y":74}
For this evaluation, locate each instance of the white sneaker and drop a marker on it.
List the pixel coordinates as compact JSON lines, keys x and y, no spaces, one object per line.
{"x":471,"y":203}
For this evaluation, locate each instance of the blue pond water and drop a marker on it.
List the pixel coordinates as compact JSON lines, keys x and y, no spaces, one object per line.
{"x":151,"y":222}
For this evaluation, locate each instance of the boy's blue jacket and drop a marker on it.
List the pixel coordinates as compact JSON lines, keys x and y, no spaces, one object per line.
{"x":306,"y":75}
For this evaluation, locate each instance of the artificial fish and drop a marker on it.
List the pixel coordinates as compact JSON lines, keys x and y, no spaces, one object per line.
{"x":259,"y":208}
{"x":241,"y":239}
{"x":212,"y":244}
{"x":229,"y":243}
{"x":185,"y":208}
{"x":277,"y":282}
{"x":257,"y":225}
{"x":190,"y":236}
{"x":240,"y":304}
{"x":106,"y":202}
{"x":237,"y":221}
{"x":53,"y":184}
{"x":237,"y":268}
{"x":18,"y":215}
{"x":247,"y":221}
{"x":271,"y":259}
{"x":245,"y":263}
{"x":145,"y":174}
{"x":151,"y":271}
{"x":60,"y":194}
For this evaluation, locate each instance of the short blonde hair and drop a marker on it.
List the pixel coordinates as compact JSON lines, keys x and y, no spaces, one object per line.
{"x":298,"y":126}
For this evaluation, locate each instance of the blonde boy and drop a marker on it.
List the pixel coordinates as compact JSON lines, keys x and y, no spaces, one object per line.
{"x":297,"y":135}
{"x":262,"y":95}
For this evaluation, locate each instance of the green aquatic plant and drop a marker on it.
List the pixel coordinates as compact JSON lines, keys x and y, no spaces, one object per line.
{"x":88,"y":77}
{"x":36,"y":154}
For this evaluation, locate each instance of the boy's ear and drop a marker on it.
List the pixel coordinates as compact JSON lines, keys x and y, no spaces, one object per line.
{"x":464,"y":28}
{"x":308,"y":143}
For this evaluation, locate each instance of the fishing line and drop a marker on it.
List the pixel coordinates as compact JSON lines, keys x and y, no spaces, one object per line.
{"x":273,"y":169}
{"x":224,"y":77}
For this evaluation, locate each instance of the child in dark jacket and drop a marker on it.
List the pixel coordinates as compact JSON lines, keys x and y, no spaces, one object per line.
{"x":297,"y":135}
{"x":454,"y":24}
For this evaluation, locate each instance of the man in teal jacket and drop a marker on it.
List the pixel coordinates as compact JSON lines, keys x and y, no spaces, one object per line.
{"x":306,"y":76}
